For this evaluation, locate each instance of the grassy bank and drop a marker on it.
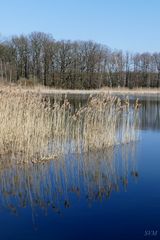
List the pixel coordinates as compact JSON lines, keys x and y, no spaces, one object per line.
{"x":106,"y":90}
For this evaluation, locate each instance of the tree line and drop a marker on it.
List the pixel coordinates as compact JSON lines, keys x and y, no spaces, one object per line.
{"x":39,"y":58}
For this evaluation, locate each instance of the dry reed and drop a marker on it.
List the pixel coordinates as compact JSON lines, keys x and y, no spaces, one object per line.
{"x":25,"y":124}
{"x":33,"y":129}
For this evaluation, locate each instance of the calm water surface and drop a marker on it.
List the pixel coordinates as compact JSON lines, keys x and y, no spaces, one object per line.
{"x":114,"y":194}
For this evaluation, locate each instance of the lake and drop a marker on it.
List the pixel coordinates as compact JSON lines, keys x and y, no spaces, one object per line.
{"x":110,"y":194}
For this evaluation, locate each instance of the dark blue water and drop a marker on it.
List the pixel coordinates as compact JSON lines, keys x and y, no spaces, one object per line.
{"x":114,"y":194}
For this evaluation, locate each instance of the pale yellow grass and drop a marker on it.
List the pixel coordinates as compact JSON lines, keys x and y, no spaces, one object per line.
{"x":25,"y":124}
{"x":104,"y":90}
{"x":31,"y":129}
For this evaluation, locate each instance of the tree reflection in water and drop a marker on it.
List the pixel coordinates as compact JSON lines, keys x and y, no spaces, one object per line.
{"x":150,"y":113}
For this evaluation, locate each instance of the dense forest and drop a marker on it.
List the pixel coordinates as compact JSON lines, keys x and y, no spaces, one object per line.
{"x":39,"y":58}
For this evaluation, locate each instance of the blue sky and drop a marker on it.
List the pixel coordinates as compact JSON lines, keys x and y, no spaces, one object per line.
{"x":132,"y":25}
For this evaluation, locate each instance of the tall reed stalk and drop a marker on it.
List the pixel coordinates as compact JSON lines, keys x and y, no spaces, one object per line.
{"x":33,"y":129}
{"x":25,"y":124}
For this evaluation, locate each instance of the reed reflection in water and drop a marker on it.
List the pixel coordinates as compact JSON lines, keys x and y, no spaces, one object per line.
{"x":92,"y":176}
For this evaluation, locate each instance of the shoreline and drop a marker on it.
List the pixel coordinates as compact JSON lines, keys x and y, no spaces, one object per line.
{"x":120,"y":91}
{"x":115,"y":91}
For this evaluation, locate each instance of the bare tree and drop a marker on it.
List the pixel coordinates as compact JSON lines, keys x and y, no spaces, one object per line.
{"x":78,"y":64}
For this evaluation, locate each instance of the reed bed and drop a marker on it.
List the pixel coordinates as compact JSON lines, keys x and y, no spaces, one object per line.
{"x":25,"y":125}
{"x":105,"y":121}
{"x":33,"y":129}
